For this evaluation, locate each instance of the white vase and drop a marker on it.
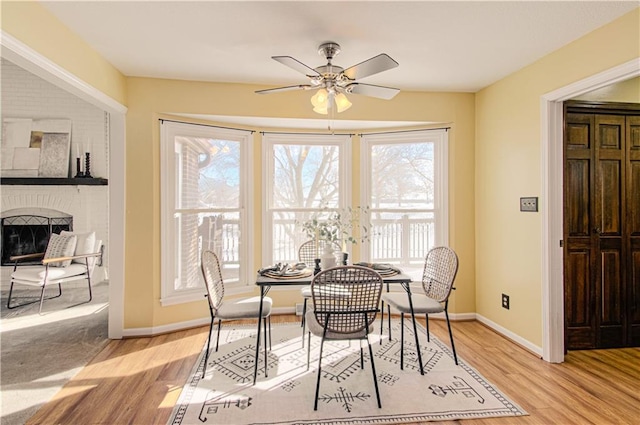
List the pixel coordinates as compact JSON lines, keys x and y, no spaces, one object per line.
{"x":328,"y":257}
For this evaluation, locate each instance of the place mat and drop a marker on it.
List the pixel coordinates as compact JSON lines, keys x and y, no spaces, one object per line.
{"x":383,"y":269}
{"x":290,"y":274}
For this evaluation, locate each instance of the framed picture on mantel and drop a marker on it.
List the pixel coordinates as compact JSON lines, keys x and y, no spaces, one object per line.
{"x":36,"y":148}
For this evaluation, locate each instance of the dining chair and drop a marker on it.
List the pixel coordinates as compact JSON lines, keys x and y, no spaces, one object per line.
{"x":229,"y":309}
{"x":345,"y":304}
{"x":440,"y":269}
{"x":307,"y":253}
{"x":69,"y":257}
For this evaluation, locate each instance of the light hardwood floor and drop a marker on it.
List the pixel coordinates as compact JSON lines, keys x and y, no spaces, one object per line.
{"x":137,"y":381}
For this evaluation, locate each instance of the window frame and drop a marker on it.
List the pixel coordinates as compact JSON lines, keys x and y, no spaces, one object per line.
{"x":342,"y":141}
{"x":440,"y":139}
{"x":169,"y":295}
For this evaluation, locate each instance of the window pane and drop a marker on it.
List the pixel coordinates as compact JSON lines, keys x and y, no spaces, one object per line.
{"x":402,"y":176}
{"x":305,"y":176}
{"x":288,"y":234}
{"x":401,"y":238}
{"x":217,"y":232}
{"x":208,"y":173}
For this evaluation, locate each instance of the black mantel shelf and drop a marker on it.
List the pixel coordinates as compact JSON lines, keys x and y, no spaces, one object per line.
{"x":53,"y":181}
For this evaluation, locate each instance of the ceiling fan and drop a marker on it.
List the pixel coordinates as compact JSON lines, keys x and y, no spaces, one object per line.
{"x":334,"y":82}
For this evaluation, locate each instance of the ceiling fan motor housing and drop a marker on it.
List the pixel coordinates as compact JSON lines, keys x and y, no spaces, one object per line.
{"x":329,"y":50}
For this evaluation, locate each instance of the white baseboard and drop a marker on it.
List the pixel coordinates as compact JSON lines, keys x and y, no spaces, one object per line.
{"x":157,"y":330}
{"x":173,"y":327}
{"x":163,"y":329}
{"x":510,"y":335}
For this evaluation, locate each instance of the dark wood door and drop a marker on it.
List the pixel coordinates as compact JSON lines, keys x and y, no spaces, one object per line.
{"x":601,"y":229}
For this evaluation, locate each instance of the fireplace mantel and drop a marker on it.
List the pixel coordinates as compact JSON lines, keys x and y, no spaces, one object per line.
{"x":53,"y":181}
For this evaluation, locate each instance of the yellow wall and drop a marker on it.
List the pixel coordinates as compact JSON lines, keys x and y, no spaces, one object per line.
{"x":36,"y":27}
{"x":151,"y":99}
{"x":627,"y":91}
{"x":508,"y":242}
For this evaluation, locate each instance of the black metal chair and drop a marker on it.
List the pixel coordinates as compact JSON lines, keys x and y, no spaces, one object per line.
{"x":345,"y":304}
{"x":440,"y":269}
{"x":234,"y":309}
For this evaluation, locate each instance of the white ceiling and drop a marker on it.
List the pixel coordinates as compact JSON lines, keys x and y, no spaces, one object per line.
{"x":459,"y":46}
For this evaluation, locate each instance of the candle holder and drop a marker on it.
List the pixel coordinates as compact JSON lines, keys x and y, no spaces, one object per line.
{"x":79,"y":173}
{"x":87,"y":165}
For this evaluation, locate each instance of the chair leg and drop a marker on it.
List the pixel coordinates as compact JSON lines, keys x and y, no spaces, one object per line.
{"x":206,"y":356}
{"x":303,"y":321}
{"x":41,"y":299}
{"x":9,"y":299}
{"x":315,"y":403}
{"x":426,"y":318}
{"x":401,"y":341}
{"x":389,"y":319}
{"x":32,"y":302}
{"x":373,"y":370}
{"x":218,"y":336}
{"x":266,"y":368}
{"x":453,"y":347}
{"x":308,"y":348}
{"x":381,"y":319}
{"x":270,"y":346}
{"x":361,"y":356}
{"x":89,"y":283}
{"x":304,"y":310}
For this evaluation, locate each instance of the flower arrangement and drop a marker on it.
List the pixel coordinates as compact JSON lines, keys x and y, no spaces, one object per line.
{"x":339,"y":226}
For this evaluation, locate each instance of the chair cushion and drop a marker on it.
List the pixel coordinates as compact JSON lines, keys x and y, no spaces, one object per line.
{"x":421,"y":303}
{"x":317,"y":329}
{"x":244,"y":308}
{"x":85,"y":244}
{"x":305,"y":291}
{"x":34,"y":275}
{"x":60,"y":246}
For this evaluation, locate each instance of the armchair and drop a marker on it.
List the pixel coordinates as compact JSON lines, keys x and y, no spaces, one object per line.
{"x":69,"y":257}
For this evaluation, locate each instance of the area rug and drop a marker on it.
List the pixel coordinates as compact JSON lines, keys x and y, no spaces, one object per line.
{"x":347,"y":393}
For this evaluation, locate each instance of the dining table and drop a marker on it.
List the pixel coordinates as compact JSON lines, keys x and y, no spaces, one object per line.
{"x":266,"y":282}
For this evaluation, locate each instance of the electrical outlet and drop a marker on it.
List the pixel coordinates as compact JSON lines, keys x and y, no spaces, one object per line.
{"x":529,"y":204}
{"x":505,"y":301}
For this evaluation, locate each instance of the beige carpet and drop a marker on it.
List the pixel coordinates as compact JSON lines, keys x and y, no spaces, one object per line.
{"x":40,"y":353}
{"x":347,"y":393}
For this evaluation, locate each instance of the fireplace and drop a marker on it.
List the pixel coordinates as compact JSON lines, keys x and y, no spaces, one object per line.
{"x":27,"y":230}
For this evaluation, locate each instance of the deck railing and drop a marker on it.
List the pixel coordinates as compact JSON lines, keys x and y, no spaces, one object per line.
{"x":401,"y":241}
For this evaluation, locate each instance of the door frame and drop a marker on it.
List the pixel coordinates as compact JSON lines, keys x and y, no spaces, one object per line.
{"x":551,"y":120}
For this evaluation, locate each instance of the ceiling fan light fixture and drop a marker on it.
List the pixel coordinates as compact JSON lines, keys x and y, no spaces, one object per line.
{"x":342,"y":103}
{"x":320,"y":99}
{"x":322,"y":110}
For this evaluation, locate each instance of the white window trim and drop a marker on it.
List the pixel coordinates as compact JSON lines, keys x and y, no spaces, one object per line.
{"x":343,"y":142}
{"x":440,"y":138}
{"x":168,"y":131}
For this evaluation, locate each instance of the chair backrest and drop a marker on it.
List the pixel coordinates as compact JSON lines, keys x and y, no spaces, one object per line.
{"x":212,"y":279}
{"x":348,"y":295}
{"x":96,"y":261}
{"x":310,"y":250}
{"x":440,"y":269}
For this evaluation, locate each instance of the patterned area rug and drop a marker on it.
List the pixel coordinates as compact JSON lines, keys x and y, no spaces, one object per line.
{"x":347,"y":393}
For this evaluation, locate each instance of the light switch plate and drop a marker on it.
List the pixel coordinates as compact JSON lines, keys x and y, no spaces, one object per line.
{"x":529,"y":204}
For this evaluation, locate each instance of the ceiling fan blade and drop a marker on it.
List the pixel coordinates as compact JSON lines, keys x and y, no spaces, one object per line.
{"x":297,"y":65}
{"x":382,"y":62}
{"x":380,"y":92}
{"x":287,"y":88}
